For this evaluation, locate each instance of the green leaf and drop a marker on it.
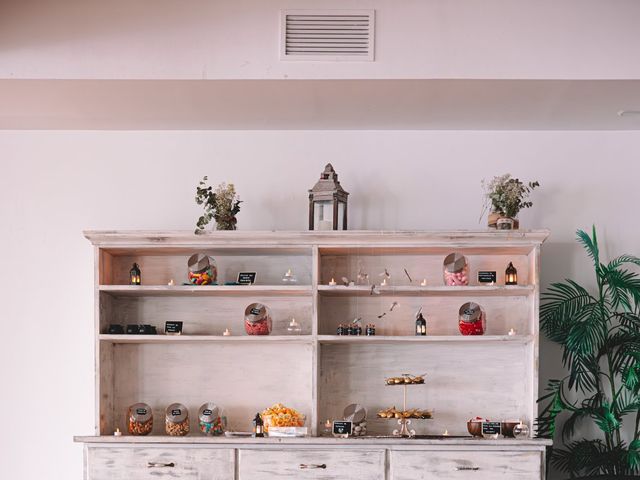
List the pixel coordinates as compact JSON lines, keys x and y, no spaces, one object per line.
{"x":561,"y":303}
{"x":605,"y":419}
{"x":546,"y":421}
{"x":633,"y":456}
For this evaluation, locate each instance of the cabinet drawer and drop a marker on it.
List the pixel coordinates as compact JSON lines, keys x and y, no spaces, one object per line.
{"x":142,"y":463}
{"x":469,"y":465}
{"x":312,"y":464}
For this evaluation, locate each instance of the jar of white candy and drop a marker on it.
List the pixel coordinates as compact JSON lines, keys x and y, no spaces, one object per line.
{"x":456,"y":270}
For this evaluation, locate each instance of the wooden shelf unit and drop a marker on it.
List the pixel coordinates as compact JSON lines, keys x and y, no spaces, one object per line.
{"x":318,"y":373}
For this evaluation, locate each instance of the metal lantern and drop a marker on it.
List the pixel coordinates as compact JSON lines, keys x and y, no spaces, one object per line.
{"x":328,"y":202}
{"x":135,"y":275}
{"x":511,"y":275}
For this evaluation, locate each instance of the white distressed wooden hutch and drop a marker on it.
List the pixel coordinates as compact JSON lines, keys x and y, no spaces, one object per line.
{"x":318,"y":373}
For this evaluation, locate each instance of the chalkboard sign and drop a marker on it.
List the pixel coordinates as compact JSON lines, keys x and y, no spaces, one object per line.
{"x":490,"y":428}
{"x":342,"y":428}
{"x":486,"y":277}
{"x":173,"y":328}
{"x":247,"y":278}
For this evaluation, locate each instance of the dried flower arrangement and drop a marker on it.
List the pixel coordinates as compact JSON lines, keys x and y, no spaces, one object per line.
{"x":506,"y":196}
{"x":222,"y":205}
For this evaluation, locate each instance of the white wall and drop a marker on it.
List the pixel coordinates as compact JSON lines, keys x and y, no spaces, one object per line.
{"x":54,"y":185}
{"x":573,"y":39}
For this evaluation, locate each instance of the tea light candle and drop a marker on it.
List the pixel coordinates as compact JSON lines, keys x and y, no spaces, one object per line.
{"x":117,"y":433}
{"x":512,"y":332}
{"x":423,"y":283}
{"x":333,"y":282}
{"x":446,"y":433}
{"x":227,"y":332}
{"x":384,"y":282}
{"x":171,"y":283}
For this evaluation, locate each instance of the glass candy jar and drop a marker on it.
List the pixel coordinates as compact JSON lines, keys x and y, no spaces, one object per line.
{"x":456,"y":270}
{"x":202,"y":269}
{"x":139,"y":419}
{"x":209,"y":420}
{"x":176,"y":421}
{"x":257,"y":319}
{"x":521,"y":430}
{"x":471,"y":319}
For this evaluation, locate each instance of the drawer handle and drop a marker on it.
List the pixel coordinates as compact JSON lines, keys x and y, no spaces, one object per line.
{"x":160,"y":465}
{"x":465,"y":469}
{"x":307,"y":466}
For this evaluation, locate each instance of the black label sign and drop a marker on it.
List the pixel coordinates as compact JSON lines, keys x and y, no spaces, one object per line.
{"x":176,"y":411}
{"x":247,"y":278}
{"x":173,"y":327}
{"x":141,"y":411}
{"x":491,"y":428}
{"x":342,"y":428}
{"x":255,"y":311}
{"x":486,"y":277}
{"x":207,"y":412}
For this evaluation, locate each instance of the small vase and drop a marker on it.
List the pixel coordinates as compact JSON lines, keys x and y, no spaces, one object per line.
{"x":492,"y":219}
{"x":505,"y":223}
{"x":226,"y":223}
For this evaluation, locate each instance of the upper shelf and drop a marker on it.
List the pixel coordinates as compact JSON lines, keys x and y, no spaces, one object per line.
{"x":407,"y":291}
{"x":130,"y":242}
{"x":205,"y":290}
{"x":419,"y":104}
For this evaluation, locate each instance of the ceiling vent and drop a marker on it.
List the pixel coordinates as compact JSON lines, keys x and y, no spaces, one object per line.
{"x":327,"y":35}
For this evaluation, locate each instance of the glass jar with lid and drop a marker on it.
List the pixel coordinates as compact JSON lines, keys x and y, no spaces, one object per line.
{"x":471,"y":319}
{"x":139,"y":419}
{"x":456,"y":270}
{"x":202,"y":269}
{"x":257,"y":319}
{"x":209,"y":420}
{"x":176,"y":421}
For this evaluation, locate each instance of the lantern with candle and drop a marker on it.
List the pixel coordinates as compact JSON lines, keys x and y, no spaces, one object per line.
{"x":421,"y":324}
{"x":511,"y":275}
{"x":135,"y":275}
{"x":328,"y":202}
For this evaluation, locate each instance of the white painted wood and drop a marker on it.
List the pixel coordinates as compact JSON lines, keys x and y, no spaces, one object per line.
{"x":159,"y":462}
{"x":206,"y":315}
{"x":404,"y":340}
{"x":441,"y":313}
{"x":185,"y":240}
{"x":471,"y":380}
{"x":204,"y":290}
{"x":311,"y":464}
{"x":241,"y":379}
{"x":476,"y":465}
{"x":434,"y":291}
{"x":173,"y":339}
{"x":428,"y":444}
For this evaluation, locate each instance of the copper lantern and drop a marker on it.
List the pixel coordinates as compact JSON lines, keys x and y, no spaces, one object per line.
{"x":328,"y":202}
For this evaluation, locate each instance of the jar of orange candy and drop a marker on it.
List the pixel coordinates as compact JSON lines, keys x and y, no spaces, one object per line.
{"x":280,"y":416}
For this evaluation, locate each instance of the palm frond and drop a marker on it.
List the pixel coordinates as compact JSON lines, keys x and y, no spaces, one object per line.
{"x":633,"y":456}
{"x":546,"y":421}
{"x":590,"y":244}
{"x":605,"y":419}
{"x":623,"y":288}
{"x":561,"y":303}
{"x":578,"y":457}
{"x":626,"y":402}
{"x":623,"y":259}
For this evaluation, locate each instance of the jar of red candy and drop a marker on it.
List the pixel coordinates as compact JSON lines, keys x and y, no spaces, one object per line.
{"x":257,"y":319}
{"x":456,"y":270}
{"x":472,"y":320}
{"x":202,"y":269}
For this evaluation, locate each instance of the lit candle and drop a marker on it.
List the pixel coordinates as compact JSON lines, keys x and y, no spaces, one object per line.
{"x":117,"y":433}
{"x":446,"y":433}
{"x":332,"y":282}
{"x":423,"y":283}
{"x":226,"y":332}
{"x":384,"y":282}
{"x":512,"y":332}
{"x":171,"y":283}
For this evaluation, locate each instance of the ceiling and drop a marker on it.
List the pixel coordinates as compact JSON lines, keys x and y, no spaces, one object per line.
{"x":319,"y":104}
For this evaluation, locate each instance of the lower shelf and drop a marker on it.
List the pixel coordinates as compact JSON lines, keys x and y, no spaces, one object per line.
{"x":381,"y":339}
{"x":167,"y":339}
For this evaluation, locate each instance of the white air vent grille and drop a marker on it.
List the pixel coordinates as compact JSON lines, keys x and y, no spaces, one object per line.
{"x":327,"y":35}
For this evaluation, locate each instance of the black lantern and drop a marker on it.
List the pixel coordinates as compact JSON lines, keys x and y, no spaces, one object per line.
{"x":511,"y":275}
{"x":134,"y":275}
{"x":328,"y":202}
{"x":421,"y":325}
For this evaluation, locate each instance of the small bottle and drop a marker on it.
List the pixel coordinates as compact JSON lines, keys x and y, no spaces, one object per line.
{"x":358,"y":329}
{"x":341,"y":329}
{"x":350,"y":330}
{"x":421,"y":325}
{"x":258,"y":426}
{"x":371,"y":330}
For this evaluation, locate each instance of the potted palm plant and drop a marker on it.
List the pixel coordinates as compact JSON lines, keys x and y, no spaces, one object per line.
{"x":599,"y":332}
{"x":505,"y":196}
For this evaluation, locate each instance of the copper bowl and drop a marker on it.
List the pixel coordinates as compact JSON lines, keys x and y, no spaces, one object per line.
{"x":507,"y":429}
{"x":475,"y":428}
